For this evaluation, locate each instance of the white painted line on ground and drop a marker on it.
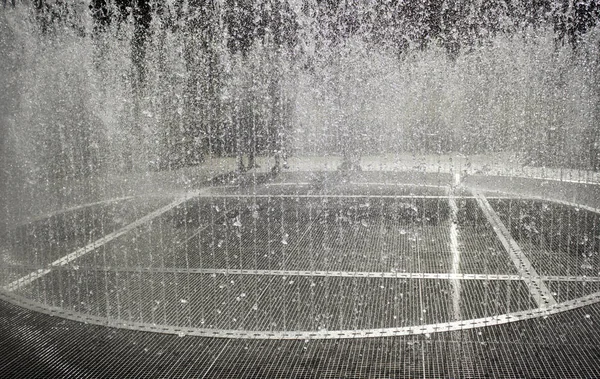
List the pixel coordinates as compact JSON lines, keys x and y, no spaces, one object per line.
{"x":518,"y":197}
{"x":456,"y":179}
{"x":441,"y":186}
{"x":380,"y":184}
{"x":331,"y":196}
{"x":456,"y":286}
{"x":342,"y":274}
{"x":286,"y":184}
{"x":539,"y":177}
{"x":72,"y":209}
{"x":574,"y":205}
{"x":537,"y":288}
{"x":27,"y":279}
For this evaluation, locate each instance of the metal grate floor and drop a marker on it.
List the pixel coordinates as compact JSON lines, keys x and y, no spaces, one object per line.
{"x":442,"y":285}
{"x":34,"y":345}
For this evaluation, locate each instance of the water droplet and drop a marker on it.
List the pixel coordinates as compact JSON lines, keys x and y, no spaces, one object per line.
{"x":220,"y":243}
{"x":237,"y":222}
{"x":181,"y":334}
{"x":284,"y":239}
{"x":255,"y":307}
{"x":402,"y":231}
{"x":588,"y":316}
{"x":183,"y":301}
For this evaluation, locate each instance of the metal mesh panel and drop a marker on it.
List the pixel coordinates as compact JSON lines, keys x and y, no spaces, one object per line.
{"x":334,"y":256}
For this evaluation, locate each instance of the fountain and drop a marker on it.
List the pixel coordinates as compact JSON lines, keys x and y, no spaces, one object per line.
{"x":304,"y":179}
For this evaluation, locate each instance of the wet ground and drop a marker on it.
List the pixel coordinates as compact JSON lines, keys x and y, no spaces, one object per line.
{"x":318,"y":253}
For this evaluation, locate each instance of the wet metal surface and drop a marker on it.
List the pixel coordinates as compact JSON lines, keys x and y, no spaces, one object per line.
{"x":267,"y":266}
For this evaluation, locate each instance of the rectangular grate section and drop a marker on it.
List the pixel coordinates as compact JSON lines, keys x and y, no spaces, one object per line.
{"x":558,"y":239}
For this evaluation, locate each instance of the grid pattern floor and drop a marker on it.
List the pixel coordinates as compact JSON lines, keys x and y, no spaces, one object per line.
{"x":281,"y":263}
{"x":34,"y":345}
{"x":285,"y":263}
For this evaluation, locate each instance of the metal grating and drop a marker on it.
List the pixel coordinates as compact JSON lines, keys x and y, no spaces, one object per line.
{"x":393,"y":284}
{"x":562,"y":345}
